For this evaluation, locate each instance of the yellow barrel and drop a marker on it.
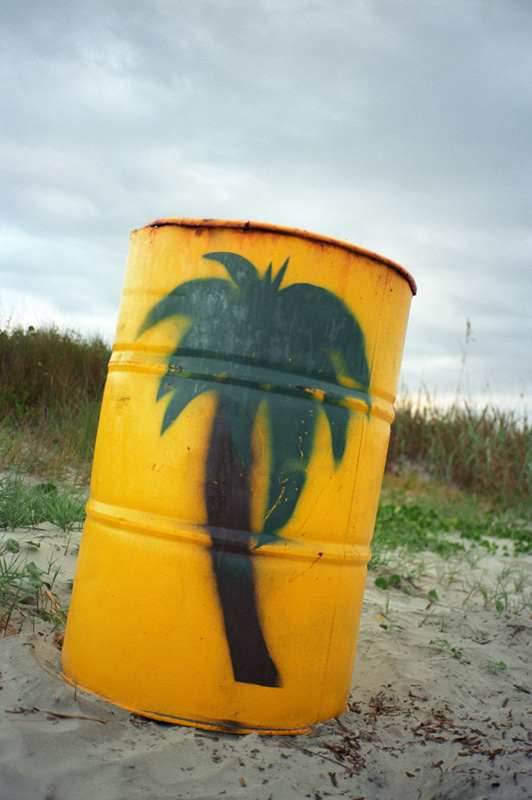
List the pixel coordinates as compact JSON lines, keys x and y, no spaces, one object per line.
{"x":238,"y":465}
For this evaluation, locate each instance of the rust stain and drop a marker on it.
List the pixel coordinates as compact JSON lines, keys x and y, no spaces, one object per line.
{"x":272,"y":509}
{"x":298,"y":233}
{"x":263,"y":443}
{"x":318,"y":557}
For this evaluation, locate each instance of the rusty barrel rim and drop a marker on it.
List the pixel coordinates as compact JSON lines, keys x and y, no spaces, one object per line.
{"x":286,"y":231}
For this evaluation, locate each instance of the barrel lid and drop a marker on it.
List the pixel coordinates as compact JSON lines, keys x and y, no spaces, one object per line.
{"x":264,"y":226}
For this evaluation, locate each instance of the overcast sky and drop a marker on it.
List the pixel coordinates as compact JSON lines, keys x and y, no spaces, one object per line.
{"x":402,"y":126}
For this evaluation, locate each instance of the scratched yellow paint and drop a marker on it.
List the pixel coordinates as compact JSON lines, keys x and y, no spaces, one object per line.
{"x":145,"y":628}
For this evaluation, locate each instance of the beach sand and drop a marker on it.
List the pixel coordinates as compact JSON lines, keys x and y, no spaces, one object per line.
{"x":428,"y":717}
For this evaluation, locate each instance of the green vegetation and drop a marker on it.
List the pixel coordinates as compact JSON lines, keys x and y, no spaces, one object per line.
{"x":496,"y":666}
{"x":51,"y":385}
{"x":417,"y":526}
{"x":27,"y":506}
{"x":486,"y":451}
{"x":444,"y":645}
{"x":26,"y":589}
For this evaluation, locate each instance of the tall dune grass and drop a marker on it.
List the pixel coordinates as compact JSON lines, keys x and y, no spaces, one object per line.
{"x":51,"y":385}
{"x":486,"y":451}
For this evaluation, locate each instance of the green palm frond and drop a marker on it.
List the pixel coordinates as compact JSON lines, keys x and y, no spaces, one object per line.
{"x":188,"y":300}
{"x":182,"y":396}
{"x":242,"y":271}
{"x":302,"y":332}
{"x":325,"y":336}
{"x":292,"y":439}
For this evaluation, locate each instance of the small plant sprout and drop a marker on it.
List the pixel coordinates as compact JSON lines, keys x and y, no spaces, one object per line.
{"x":444,"y":644}
{"x":384,"y":583}
{"x":386,"y":622}
{"x":384,"y":619}
{"x":430,"y":609}
{"x":496,"y":666}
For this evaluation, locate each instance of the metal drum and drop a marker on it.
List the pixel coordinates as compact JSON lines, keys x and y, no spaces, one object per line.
{"x":238,"y":465}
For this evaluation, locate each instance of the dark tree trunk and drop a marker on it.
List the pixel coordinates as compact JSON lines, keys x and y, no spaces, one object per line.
{"x":227,"y":498}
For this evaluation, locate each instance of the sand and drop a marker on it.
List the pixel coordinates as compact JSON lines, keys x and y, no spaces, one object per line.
{"x":428,"y":717}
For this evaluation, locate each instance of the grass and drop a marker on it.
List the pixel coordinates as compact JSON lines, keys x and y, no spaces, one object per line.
{"x":51,"y":385}
{"x":26,"y":589}
{"x":419,"y":516}
{"x":419,"y":526}
{"x":27,"y":506}
{"x":458,"y":479}
{"x":486,"y":451}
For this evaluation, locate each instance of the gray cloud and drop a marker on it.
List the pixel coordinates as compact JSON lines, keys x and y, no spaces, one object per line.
{"x":400,"y":126}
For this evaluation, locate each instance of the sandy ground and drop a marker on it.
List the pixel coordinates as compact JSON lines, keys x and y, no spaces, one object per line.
{"x":428,"y":717}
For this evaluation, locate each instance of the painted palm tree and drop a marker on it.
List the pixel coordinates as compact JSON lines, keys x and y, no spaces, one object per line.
{"x":251,"y":343}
